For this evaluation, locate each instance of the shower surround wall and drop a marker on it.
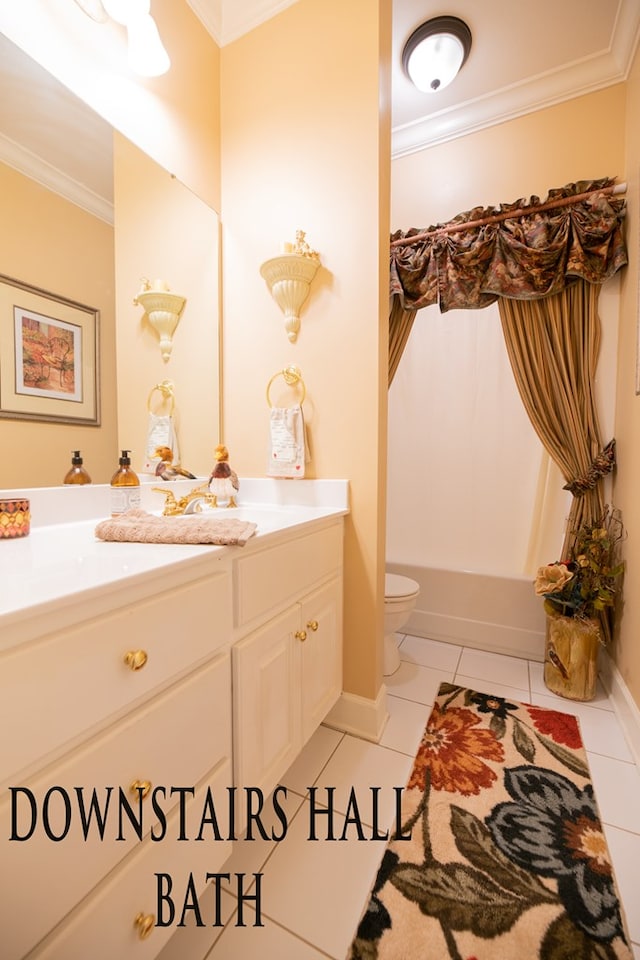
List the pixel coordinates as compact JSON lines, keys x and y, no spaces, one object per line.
{"x":463,"y":459}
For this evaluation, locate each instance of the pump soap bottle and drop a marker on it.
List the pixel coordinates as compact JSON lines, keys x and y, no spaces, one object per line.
{"x":77,"y":473}
{"x":125,"y":487}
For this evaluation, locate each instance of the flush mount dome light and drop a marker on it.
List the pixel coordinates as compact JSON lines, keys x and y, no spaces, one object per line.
{"x":434,"y":53}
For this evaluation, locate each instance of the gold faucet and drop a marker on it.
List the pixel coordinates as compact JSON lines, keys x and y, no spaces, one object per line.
{"x":190,"y":503}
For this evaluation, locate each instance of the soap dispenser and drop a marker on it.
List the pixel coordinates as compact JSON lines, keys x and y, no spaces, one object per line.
{"x":125,"y":487}
{"x":77,"y":473}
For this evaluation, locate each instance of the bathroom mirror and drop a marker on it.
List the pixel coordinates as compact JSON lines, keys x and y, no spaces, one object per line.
{"x":59,"y":225}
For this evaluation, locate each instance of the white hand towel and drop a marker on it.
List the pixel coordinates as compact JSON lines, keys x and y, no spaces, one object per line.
{"x":287,"y":450}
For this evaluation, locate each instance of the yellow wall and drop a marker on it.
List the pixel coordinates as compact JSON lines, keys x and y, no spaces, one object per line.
{"x":52,"y":244}
{"x":627,"y":646}
{"x":305,"y":146}
{"x":577,"y":140}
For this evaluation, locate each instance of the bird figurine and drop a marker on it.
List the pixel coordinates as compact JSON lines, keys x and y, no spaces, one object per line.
{"x":223,"y":482}
{"x":167,"y":469}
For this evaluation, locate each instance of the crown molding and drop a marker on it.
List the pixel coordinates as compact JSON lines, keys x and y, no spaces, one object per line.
{"x":209,"y":13}
{"x":43,"y":173}
{"x":238,"y":18}
{"x":536,"y":93}
{"x":226,"y":20}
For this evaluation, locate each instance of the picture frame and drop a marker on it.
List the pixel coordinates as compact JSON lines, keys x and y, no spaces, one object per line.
{"x":49,"y":356}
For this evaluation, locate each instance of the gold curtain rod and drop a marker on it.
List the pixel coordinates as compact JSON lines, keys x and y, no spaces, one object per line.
{"x":507,"y":215}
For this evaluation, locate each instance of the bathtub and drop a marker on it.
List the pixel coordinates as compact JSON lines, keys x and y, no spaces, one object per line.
{"x":496,"y":613}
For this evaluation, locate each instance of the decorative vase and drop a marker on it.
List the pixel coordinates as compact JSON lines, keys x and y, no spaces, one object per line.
{"x":572,"y":646}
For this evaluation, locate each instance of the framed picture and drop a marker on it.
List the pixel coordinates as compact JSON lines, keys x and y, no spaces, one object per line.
{"x":48,"y":356}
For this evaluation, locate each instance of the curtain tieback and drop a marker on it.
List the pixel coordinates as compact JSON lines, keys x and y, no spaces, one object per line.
{"x":601,"y":466}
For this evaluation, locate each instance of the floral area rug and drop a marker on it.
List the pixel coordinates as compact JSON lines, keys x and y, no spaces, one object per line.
{"x":507,"y":859}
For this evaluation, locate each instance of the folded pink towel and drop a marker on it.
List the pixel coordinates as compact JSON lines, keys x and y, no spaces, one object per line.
{"x":142,"y":527}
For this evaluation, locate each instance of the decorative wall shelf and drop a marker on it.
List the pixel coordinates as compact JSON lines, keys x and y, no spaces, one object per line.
{"x":163,"y":310}
{"x":289,"y":277}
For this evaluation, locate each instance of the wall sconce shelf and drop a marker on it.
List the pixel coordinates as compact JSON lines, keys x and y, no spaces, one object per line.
{"x":163,"y":310}
{"x":289,"y":277}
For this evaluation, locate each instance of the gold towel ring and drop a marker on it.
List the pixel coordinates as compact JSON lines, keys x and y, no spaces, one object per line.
{"x":292,"y":377}
{"x":165,"y":387}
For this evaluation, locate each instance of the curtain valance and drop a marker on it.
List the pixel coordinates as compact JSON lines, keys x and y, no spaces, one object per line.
{"x":525,"y":256}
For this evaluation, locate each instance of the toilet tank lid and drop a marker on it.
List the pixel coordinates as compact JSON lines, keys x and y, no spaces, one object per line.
{"x":397,"y":586}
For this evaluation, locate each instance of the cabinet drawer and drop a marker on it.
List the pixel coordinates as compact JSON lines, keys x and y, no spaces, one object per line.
{"x":103,"y":926}
{"x":72,"y":680}
{"x":156,"y":744}
{"x":277,"y":576}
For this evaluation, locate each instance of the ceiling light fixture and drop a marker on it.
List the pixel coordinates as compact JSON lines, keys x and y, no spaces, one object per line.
{"x":435,"y":52}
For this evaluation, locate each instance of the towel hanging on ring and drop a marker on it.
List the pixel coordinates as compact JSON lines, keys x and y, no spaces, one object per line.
{"x":161,"y":429}
{"x":288,"y":451}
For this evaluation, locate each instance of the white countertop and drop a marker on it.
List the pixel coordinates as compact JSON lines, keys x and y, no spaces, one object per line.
{"x":63,"y":561}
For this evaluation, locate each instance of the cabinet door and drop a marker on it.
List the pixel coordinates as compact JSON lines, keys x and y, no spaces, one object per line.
{"x":321,"y":682}
{"x":266,"y":709}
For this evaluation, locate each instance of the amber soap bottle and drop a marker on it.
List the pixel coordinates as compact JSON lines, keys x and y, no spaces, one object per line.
{"x":125,"y":487}
{"x":77,"y":473}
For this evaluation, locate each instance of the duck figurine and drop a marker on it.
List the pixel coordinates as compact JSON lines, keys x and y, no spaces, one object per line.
{"x":223,"y":482}
{"x":167,"y":469}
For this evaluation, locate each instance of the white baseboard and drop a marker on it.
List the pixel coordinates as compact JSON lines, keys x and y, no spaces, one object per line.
{"x":624,"y":705}
{"x":360,"y":716}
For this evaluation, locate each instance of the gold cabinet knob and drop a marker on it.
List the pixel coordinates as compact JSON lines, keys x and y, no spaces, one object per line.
{"x":144,"y":924}
{"x":312,"y":625}
{"x":142,"y":787}
{"x":300,"y":634}
{"x":135,"y":659}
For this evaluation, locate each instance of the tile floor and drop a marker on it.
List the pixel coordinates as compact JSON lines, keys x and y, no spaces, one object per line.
{"x":312,"y":892}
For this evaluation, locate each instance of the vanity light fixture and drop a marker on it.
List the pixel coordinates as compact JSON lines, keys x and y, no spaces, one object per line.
{"x":93,"y":9}
{"x":289,"y":279}
{"x":435,"y":52}
{"x":163,"y":310}
{"x":146,"y":54}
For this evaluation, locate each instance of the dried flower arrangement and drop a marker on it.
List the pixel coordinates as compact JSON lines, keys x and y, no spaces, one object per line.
{"x":589,"y":581}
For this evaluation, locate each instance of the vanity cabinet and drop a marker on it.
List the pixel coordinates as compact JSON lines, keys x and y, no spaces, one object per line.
{"x":116,"y":709}
{"x":164,"y":681}
{"x":287,"y":668}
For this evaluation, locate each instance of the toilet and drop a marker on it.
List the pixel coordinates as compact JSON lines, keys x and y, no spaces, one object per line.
{"x":400,"y":595}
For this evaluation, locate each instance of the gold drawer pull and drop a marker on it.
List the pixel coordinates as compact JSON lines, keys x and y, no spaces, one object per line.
{"x":300,"y":634}
{"x":145,"y":924}
{"x":140,"y":786}
{"x":135,"y":659}
{"x":312,"y":625}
